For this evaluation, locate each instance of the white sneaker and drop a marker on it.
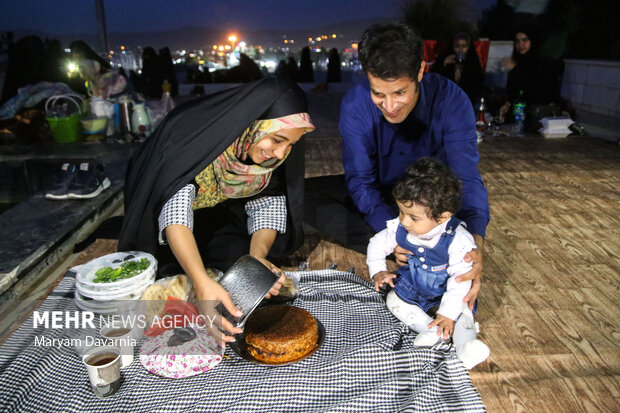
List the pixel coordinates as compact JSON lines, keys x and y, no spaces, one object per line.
{"x":426,"y":339}
{"x":474,"y":353}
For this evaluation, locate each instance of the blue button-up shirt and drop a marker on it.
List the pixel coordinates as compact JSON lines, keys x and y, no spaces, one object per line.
{"x":376,"y":153}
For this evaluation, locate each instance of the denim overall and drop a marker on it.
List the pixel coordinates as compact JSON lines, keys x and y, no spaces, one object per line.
{"x":423,"y":281}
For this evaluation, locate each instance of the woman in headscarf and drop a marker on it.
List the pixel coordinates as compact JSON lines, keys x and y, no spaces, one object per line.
{"x":527,"y":73}
{"x":204,"y":189}
{"x":461,"y":64}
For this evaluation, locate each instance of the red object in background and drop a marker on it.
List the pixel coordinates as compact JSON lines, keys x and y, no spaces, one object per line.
{"x":433,"y":48}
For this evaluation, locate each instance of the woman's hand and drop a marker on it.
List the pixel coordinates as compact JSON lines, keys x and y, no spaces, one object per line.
{"x":401,"y":255}
{"x":383,"y":277}
{"x":209,"y":295}
{"x":208,"y":292}
{"x":445,"y":326}
{"x":275,"y":290}
{"x":508,"y":63}
{"x":449,"y":60}
{"x":475,"y":274}
{"x":503,"y":110}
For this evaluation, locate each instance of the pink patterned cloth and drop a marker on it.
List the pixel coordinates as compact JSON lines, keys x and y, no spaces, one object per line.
{"x":188,"y":359}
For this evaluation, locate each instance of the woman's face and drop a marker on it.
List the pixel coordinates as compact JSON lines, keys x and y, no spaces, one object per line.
{"x":460,"y":47}
{"x":275,"y":145}
{"x":522,"y":43}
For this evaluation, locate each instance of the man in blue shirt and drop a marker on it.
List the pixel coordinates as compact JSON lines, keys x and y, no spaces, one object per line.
{"x":399,"y":116}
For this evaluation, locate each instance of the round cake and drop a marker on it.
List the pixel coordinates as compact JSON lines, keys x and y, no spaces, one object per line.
{"x":280,"y":333}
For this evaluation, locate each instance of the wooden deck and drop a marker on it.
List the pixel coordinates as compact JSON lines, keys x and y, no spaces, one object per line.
{"x":550,"y":302}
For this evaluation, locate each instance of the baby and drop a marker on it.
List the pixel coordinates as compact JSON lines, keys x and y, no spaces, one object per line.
{"x":427,"y":198}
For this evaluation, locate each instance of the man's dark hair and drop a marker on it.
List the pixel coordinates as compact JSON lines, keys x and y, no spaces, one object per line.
{"x":430,"y":184}
{"x":391,"y":51}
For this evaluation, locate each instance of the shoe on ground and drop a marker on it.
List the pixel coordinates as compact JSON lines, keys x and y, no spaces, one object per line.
{"x":60,"y":190}
{"x":426,"y":339}
{"x":473,"y":353}
{"x":89,"y":181}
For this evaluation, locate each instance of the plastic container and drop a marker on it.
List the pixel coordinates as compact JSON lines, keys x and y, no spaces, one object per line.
{"x":518,"y":110}
{"x":86,"y":273}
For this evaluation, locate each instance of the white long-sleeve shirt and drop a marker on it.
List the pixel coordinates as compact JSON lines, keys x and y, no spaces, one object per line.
{"x":384,"y":242}
{"x":265,"y":212}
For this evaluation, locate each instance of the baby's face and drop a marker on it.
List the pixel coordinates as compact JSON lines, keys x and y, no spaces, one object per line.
{"x":415,"y":218}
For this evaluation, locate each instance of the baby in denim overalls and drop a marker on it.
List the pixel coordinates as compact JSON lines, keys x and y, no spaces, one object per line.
{"x":427,"y":197}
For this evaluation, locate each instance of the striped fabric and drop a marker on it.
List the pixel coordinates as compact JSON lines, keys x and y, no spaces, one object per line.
{"x":366,"y":363}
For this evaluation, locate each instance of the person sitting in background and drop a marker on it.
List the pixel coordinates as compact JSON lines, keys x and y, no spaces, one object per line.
{"x":527,"y":73}
{"x":461,"y":64}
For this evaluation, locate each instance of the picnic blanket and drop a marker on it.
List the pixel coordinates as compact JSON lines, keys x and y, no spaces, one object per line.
{"x":367,"y":363}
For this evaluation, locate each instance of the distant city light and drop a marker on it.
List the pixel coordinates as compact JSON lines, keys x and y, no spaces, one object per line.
{"x":269,"y":64}
{"x":214,"y":47}
{"x":334,"y":36}
{"x":354,"y":46}
{"x":232,"y":38}
{"x":122,"y":47}
{"x":71,"y":67}
{"x":227,"y":47}
{"x":221,"y":48}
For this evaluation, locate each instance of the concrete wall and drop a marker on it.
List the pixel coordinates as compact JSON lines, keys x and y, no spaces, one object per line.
{"x":592,"y":86}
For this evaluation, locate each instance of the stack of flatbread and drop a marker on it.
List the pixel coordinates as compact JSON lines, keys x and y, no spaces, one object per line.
{"x":156,"y":295}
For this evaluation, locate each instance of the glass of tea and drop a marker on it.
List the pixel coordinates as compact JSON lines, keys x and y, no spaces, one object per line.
{"x":104,"y":369}
{"x":122,"y":336}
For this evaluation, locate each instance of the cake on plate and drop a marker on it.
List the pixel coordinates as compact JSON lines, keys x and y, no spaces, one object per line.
{"x":280,"y":333}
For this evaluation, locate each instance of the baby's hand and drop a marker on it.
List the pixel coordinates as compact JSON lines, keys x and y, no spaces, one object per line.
{"x":445,"y":326}
{"x":383,"y":277}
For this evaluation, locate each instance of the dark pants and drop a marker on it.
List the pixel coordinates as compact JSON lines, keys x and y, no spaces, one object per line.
{"x":329,"y":209}
{"x":222,"y":237}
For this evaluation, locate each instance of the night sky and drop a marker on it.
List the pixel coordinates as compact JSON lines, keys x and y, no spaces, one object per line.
{"x":78,"y":16}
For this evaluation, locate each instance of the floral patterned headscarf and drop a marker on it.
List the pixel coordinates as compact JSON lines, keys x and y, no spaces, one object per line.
{"x":229,"y":177}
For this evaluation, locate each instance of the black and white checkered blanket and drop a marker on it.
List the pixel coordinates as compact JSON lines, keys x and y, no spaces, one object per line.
{"x":366,"y":363}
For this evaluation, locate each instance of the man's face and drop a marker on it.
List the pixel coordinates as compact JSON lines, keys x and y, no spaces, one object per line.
{"x":396,"y":98}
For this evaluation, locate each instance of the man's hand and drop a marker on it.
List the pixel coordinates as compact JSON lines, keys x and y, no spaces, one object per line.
{"x":401,"y":255}
{"x":475,"y":275}
{"x":383,"y":277}
{"x":445,"y":326}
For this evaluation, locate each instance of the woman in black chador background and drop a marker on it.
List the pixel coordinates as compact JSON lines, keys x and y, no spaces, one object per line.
{"x":529,"y":73}
{"x":461,"y":64}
